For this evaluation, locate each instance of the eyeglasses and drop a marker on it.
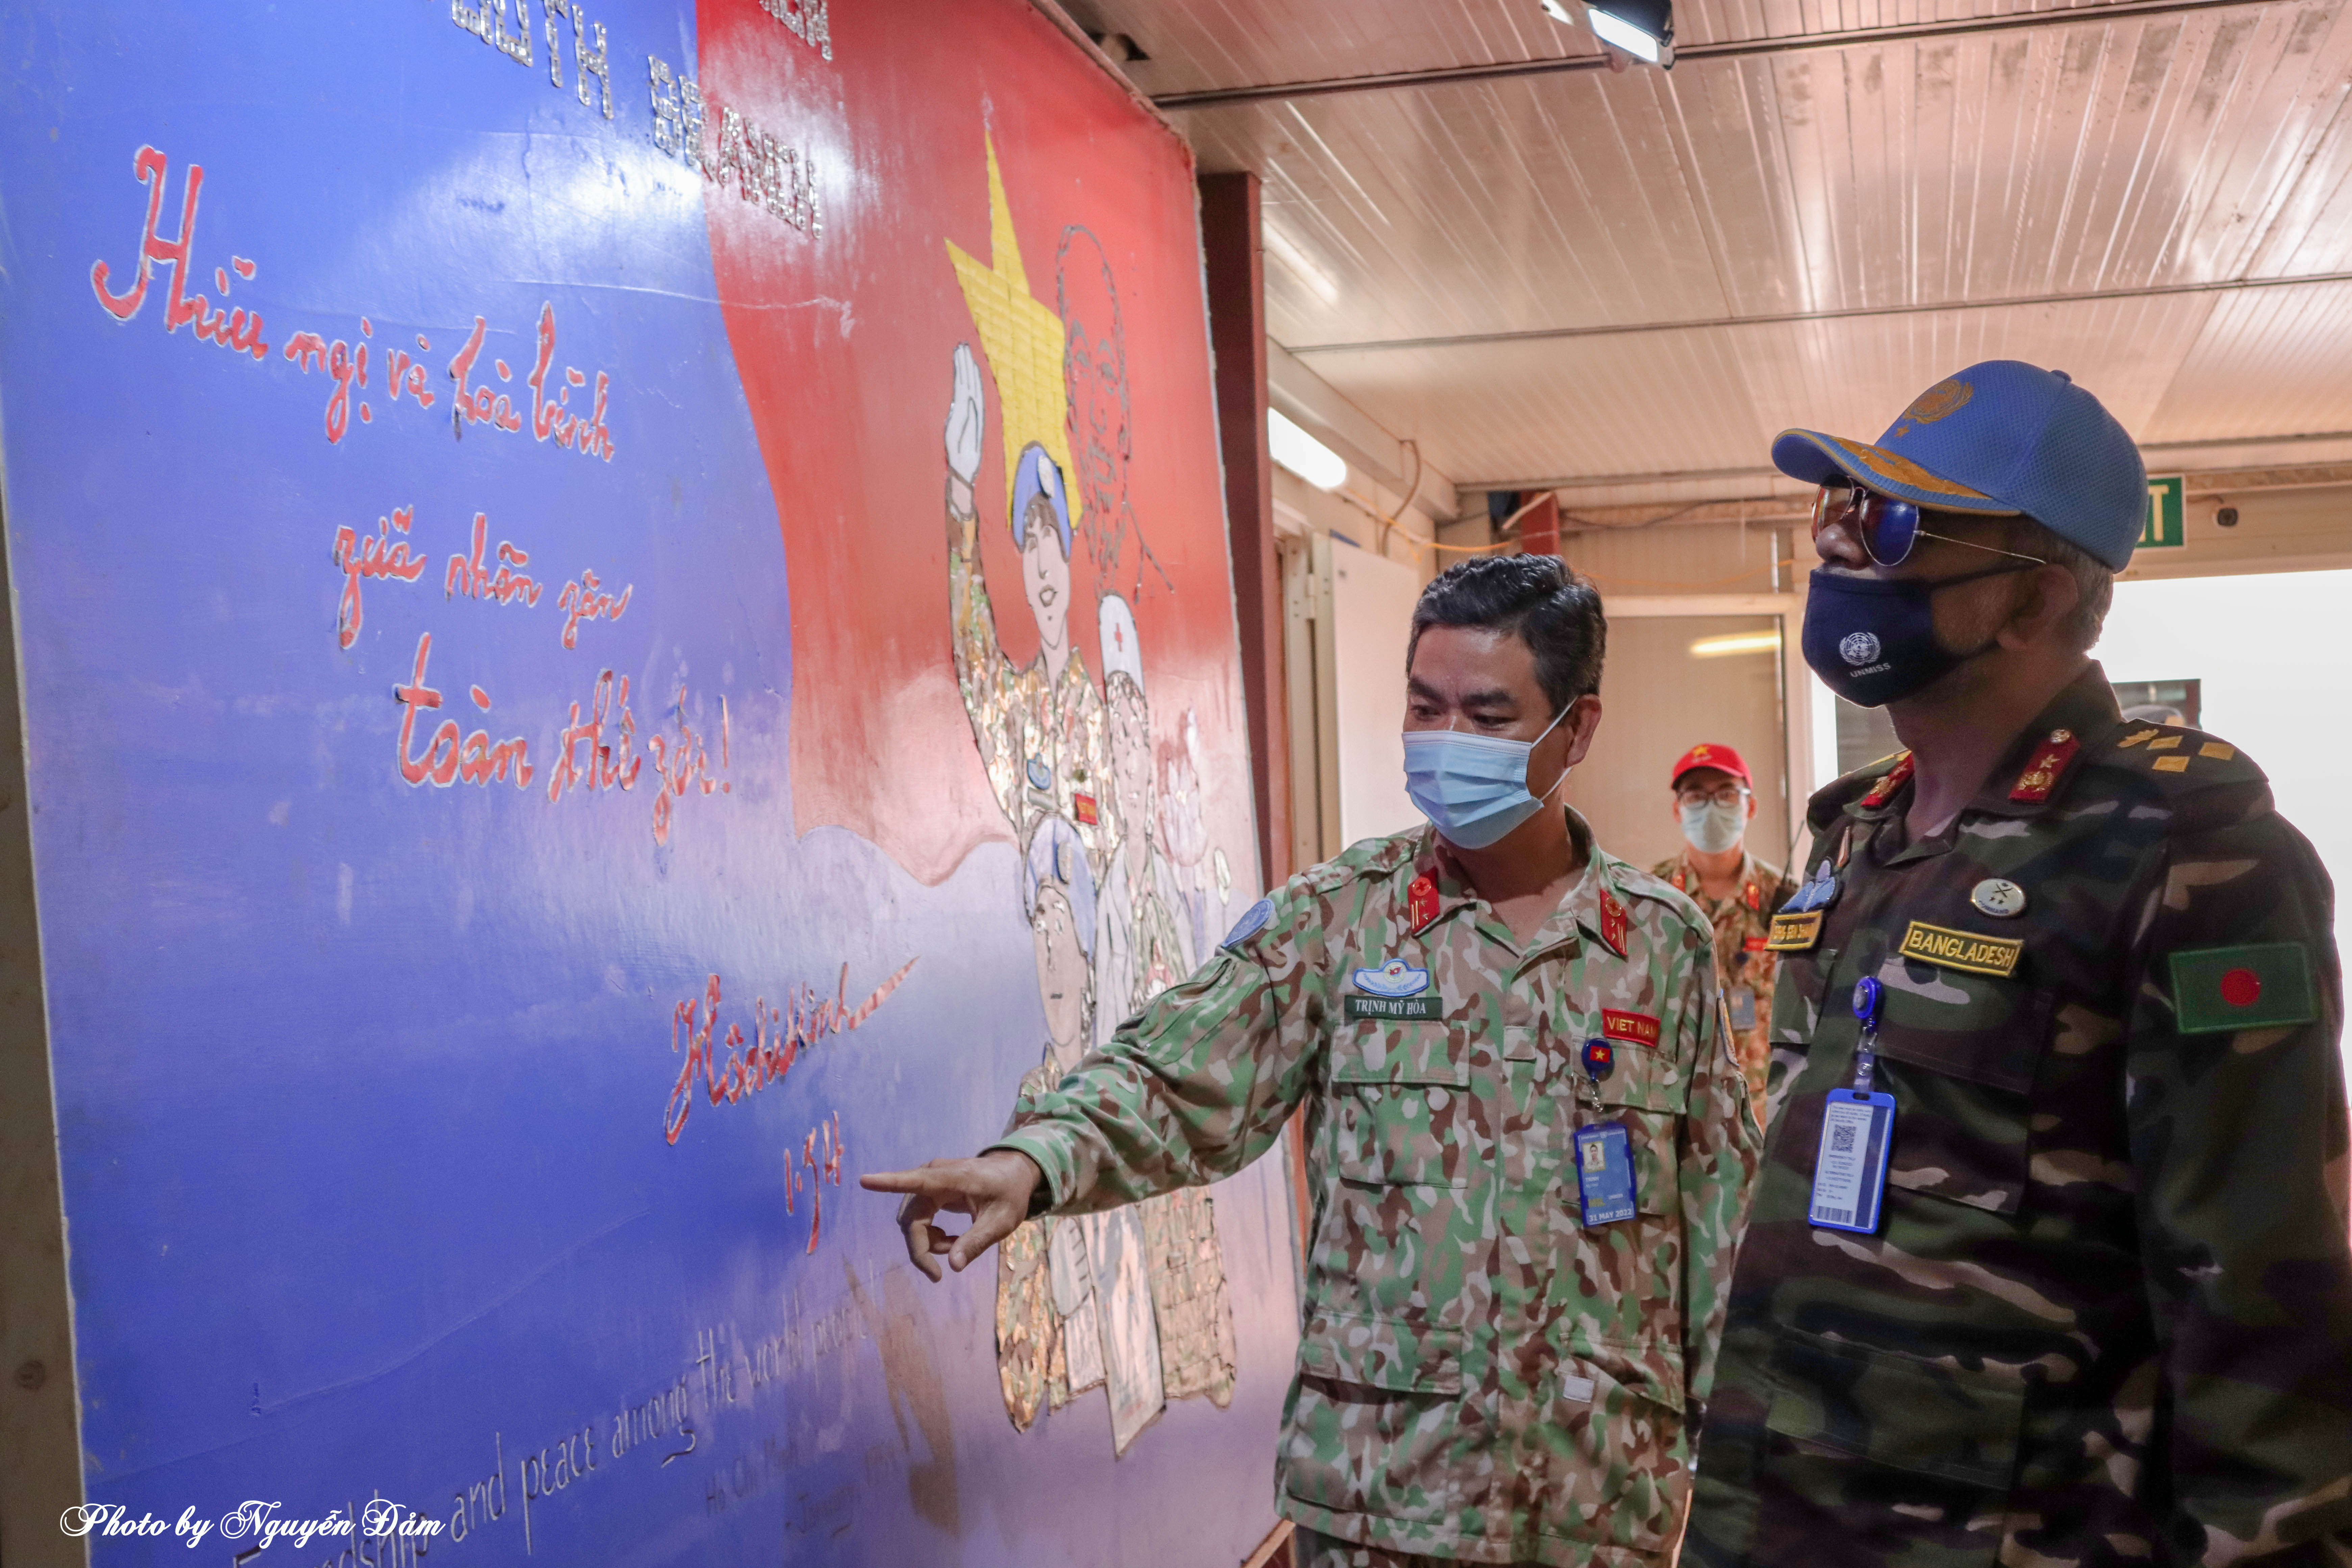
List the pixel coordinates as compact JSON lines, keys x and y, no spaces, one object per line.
{"x":1889,"y":526}
{"x":1723,"y":794}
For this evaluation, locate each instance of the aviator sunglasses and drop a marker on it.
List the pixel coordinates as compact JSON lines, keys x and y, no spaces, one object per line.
{"x":1889,"y":526}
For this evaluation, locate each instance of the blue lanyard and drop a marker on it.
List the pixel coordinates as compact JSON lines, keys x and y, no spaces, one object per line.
{"x":1868,"y":994}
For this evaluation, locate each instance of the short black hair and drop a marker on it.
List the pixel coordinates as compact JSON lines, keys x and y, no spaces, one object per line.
{"x":1541,"y":600}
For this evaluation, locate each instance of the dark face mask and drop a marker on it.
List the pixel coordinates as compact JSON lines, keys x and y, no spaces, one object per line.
{"x":1872,"y":639}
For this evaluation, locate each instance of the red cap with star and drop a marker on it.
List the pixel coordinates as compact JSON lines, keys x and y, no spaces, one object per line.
{"x":1707,"y":754}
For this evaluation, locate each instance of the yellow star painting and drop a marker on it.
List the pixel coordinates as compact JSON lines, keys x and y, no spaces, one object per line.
{"x":1020,"y":335}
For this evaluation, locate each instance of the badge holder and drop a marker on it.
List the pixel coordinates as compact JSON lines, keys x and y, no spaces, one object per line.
{"x":1604,"y":1153}
{"x":1857,"y":1134}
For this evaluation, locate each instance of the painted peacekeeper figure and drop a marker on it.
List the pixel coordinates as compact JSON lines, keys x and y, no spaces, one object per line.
{"x":2048,"y":1263}
{"x":1074,"y":1299}
{"x":1039,"y":725}
{"x":1714,"y":799}
{"x":1530,"y":1143}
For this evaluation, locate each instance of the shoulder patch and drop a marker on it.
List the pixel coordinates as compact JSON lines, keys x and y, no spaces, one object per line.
{"x":1255,"y":919}
{"x":2264,"y":985}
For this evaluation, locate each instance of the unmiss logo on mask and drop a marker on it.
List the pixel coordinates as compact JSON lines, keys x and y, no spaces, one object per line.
{"x":1858,"y":648}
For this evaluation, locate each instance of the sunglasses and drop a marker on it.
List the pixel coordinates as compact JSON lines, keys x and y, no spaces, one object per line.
{"x":1889,"y":526}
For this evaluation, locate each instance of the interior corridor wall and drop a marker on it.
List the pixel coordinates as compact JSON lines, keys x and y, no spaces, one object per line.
{"x":625,"y":616}
{"x":1658,"y":700}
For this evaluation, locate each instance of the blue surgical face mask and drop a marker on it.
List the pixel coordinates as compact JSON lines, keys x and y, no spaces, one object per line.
{"x":1472,"y":788}
{"x":1872,"y":639}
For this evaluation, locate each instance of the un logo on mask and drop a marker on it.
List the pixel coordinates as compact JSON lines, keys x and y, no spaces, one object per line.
{"x":1858,"y":648}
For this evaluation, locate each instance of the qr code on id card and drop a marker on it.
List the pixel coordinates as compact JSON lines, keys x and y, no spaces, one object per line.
{"x":1841,"y":1138}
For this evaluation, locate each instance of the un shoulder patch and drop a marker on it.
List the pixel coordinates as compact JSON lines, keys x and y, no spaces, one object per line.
{"x":1255,"y":919}
{"x":2262,"y":986}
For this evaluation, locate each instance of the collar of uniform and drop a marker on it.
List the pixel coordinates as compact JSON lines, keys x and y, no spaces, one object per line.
{"x":1435,"y":859}
{"x":1579,"y":908}
{"x":2084,"y":708}
{"x":1748,"y":877}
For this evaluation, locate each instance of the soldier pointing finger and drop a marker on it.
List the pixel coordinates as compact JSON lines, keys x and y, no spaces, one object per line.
{"x":1529,"y":1141}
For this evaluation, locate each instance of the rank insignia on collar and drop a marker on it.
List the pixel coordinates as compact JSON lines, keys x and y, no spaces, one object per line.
{"x":2047,"y":764}
{"x":1613,"y":923}
{"x":1754,"y":896}
{"x":2135,"y":738}
{"x":1420,"y":903}
{"x":1682,"y":880}
{"x":1883,"y":790}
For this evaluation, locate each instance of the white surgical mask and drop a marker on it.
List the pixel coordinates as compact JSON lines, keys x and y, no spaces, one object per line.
{"x":1472,"y":788}
{"x":1711,"y":827}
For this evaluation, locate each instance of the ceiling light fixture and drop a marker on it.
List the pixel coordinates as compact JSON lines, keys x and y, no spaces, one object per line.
{"x":1642,"y":28}
{"x":1303,"y":455}
{"x":1736,"y":642}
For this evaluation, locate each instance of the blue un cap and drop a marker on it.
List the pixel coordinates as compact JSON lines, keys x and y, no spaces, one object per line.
{"x":2000,"y":439}
{"x":1038,"y":475}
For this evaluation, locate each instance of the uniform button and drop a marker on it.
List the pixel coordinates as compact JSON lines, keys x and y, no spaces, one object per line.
{"x":2060,"y":737}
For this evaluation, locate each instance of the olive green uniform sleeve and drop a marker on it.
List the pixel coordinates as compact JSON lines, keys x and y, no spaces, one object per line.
{"x":2238,"y":1142}
{"x":1189,"y":1091}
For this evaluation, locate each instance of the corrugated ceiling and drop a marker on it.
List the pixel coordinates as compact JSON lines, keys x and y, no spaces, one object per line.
{"x":1591,"y":273}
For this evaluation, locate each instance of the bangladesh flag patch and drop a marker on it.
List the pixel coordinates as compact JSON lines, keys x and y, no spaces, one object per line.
{"x":2265,"y":986}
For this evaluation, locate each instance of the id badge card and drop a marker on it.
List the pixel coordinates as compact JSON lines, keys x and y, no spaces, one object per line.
{"x":1604,"y":1172}
{"x":1850,"y":1171}
{"x":1743,"y":1007}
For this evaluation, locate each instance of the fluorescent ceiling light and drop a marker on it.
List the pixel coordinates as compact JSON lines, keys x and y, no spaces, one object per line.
{"x":1622,"y":35}
{"x":1303,"y":455}
{"x":1736,"y":642}
{"x":1557,"y":11}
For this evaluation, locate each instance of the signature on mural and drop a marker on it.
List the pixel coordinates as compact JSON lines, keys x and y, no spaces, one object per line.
{"x":779,"y":1035}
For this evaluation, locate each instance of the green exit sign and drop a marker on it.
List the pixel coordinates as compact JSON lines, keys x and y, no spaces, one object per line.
{"x":2162,"y":531}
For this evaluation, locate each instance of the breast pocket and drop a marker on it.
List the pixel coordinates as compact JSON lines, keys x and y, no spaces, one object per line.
{"x":1646,"y":1097}
{"x":1958,"y":1052}
{"x":1403,"y":1136}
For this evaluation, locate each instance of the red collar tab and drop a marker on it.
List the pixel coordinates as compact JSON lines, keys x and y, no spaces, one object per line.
{"x":1681,"y":879}
{"x":1420,"y":903}
{"x":1883,"y":790}
{"x":1614,"y":923}
{"x":2048,"y":767}
{"x":1755,"y":895}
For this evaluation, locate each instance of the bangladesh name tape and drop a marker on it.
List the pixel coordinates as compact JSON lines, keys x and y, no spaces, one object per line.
{"x":1965,"y":950}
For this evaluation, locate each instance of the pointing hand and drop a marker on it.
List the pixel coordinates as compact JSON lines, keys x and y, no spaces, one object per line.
{"x":994,"y":1189}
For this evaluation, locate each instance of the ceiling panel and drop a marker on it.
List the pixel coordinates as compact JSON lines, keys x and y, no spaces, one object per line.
{"x":2138,"y":161}
{"x":1711,"y":398}
{"x":2270,"y":362}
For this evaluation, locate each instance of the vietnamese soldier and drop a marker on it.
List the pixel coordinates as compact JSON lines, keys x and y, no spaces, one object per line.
{"x":2048,"y":1261}
{"x":1529,"y":1141}
{"x":1715,"y":800}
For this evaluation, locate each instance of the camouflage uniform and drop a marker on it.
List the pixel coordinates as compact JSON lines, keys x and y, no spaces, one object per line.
{"x":2108,"y":1317}
{"x":1481,"y":1378}
{"x":1741,"y":922}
